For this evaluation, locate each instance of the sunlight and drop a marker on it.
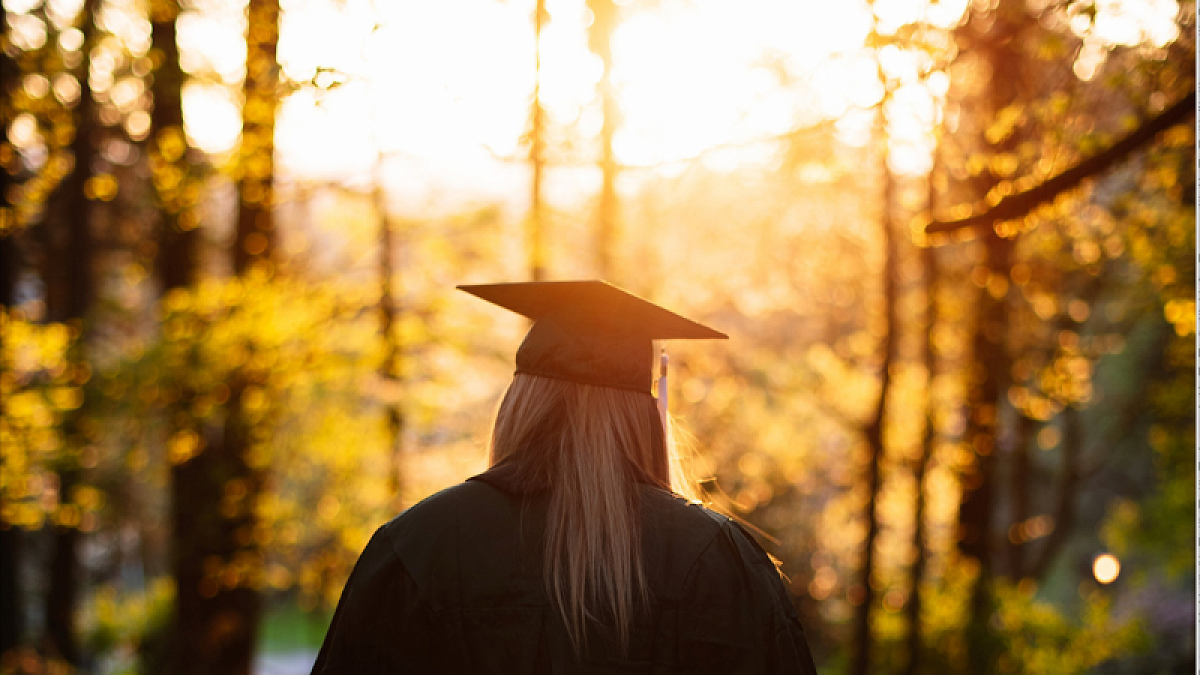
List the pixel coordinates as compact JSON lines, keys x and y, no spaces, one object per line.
{"x":444,"y":88}
{"x":1123,"y":22}
{"x":212,"y":43}
{"x":447,"y":83}
{"x":1106,"y":568}
{"x":211,"y":118}
{"x":693,"y":77}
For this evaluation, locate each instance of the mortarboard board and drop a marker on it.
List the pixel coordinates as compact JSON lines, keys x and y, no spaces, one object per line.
{"x":589,"y":332}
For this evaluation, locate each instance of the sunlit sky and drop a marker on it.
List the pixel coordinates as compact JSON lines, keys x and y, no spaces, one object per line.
{"x":443,"y":89}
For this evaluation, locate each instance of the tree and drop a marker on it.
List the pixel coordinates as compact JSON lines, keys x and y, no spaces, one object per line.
{"x":168,"y":154}
{"x":1043,"y":275}
{"x":931,"y":276}
{"x":70,"y":293}
{"x":9,"y":168}
{"x":537,"y":151}
{"x":604,"y":21}
{"x":217,"y":615}
{"x":873,"y":430}
{"x":991,"y":39}
{"x":390,"y":369}
{"x":255,"y":237}
{"x":10,"y":535}
{"x":178,"y":235}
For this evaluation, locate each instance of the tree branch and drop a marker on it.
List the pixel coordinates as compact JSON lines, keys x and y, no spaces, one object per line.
{"x":1018,"y":204}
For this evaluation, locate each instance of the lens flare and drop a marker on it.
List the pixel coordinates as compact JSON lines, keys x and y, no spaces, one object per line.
{"x":1106,"y":568}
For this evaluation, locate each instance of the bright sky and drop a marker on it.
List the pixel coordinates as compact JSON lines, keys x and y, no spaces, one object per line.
{"x":443,"y":88}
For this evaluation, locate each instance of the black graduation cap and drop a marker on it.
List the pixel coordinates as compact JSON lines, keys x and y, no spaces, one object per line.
{"x":590,"y":332}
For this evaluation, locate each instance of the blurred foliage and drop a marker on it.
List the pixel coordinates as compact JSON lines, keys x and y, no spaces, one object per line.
{"x":130,"y":628}
{"x":306,"y":354}
{"x":1043,"y":639}
{"x":38,"y":386}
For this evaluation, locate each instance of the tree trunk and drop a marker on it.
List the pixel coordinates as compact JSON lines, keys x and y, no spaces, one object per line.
{"x":255,"y":238}
{"x":216,"y":561}
{"x":931,"y":273}
{"x":70,"y":292}
{"x":217,"y":607}
{"x":604,"y":13}
{"x":178,"y":235}
{"x":13,"y":625}
{"x":860,"y":660}
{"x":988,"y":383}
{"x":991,"y":364}
{"x":537,"y":160}
{"x":11,"y":608}
{"x":390,"y":370}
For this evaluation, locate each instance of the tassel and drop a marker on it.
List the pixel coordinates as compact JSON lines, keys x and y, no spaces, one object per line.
{"x":662,"y":390}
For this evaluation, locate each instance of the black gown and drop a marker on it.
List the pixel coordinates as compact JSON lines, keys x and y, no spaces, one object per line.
{"x":454,"y":585}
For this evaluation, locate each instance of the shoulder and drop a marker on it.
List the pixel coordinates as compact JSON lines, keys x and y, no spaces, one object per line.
{"x":664,"y":509}
{"x":713,"y":545}
{"x":444,"y":540}
{"x":465,"y":495}
{"x":454,"y":505}
{"x":682,"y":541}
{"x":661,"y":504}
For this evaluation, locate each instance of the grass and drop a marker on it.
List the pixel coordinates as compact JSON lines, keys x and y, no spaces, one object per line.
{"x":286,"y":628}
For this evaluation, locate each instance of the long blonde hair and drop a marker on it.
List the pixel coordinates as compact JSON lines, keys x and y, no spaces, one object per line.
{"x":588,"y":446}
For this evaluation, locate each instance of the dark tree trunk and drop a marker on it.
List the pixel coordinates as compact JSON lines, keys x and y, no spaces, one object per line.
{"x":1020,"y":486}
{"x":991,"y":364}
{"x":988,"y":382}
{"x":69,"y":247}
{"x":178,"y":235}
{"x":860,"y":660}
{"x":63,"y":594}
{"x":216,"y":561}
{"x":12,"y":615}
{"x":931,"y":273}
{"x":10,"y":254}
{"x":70,"y":292}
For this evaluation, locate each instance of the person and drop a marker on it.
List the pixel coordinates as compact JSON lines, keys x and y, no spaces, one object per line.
{"x":575,"y":551}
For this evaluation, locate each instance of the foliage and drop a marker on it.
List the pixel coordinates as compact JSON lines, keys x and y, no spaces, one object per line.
{"x":305,"y":355}
{"x":38,"y":386}
{"x":1043,"y":639}
{"x":128,"y":631}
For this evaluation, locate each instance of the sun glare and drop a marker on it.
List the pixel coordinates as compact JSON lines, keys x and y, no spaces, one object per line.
{"x":212,"y":120}
{"x":1106,"y":568}
{"x":445,"y":86}
{"x":701,"y":75}
{"x":443,"y":89}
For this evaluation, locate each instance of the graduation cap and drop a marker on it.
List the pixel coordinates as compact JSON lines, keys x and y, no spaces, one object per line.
{"x":590,"y":332}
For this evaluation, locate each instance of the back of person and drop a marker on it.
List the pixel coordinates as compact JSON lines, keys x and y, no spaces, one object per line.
{"x":574,"y":552}
{"x":455,"y":585}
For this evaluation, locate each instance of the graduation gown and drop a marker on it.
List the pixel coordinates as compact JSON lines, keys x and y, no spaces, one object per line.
{"x":455,"y":585}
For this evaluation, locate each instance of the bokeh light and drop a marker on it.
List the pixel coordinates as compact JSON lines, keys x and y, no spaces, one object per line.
{"x":1106,"y":568}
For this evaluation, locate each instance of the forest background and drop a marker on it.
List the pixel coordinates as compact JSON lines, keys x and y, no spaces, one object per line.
{"x":953,"y":244}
